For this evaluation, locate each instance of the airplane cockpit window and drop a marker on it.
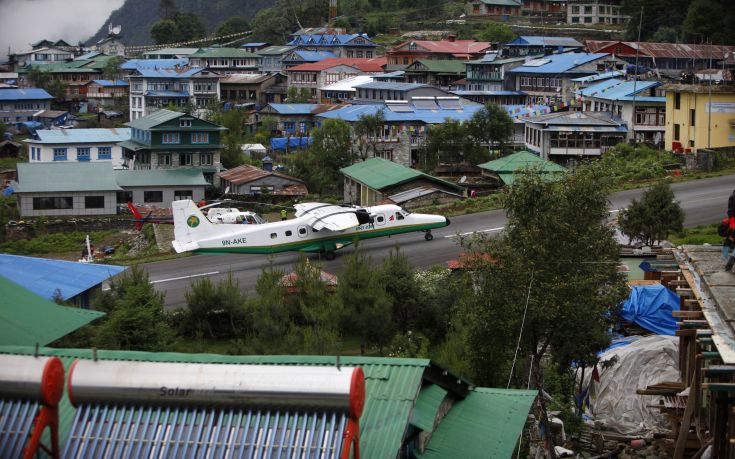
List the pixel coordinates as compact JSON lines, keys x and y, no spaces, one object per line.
{"x":302,"y":230}
{"x":399,"y":216}
{"x":288,"y":233}
{"x":380,"y":219}
{"x":405,"y":212}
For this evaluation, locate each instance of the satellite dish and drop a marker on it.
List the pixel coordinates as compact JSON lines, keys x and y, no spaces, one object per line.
{"x":116,"y":30}
{"x":463,"y":179}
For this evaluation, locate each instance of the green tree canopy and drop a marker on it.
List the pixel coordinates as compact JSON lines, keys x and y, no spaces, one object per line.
{"x":665,"y":34}
{"x":654,"y":217}
{"x":181,"y":27}
{"x":491,"y":125}
{"x":496,"y":32}
{"x":232,"y":25}
{"x":165,"y":31}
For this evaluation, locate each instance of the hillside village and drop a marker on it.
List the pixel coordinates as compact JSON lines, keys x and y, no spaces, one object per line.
{"x":571,"y":328}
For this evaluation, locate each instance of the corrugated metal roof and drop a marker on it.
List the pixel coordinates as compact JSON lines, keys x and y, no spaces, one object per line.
{"x":598,"y":77}
{"x":80,"y":136}
{"x":501,"y":92}
{"x":314,"y":56}
{"x":178,"y":72}
{"x":663,"y":50}
{"x":183,"y":94}
{"x":65,"y":176}
{"x":519,"y":161}
{"x":352,"y":113}
{"x":487,"y":423}
{"x":391,"y":86}
{"x":110,"y":83}
{"x":502,"y":2}
{"x":235,"y":53}
{"x":134,"y":64}
{"x":160,"y":177}
{"x":456,"y":47}
{"x":27,"y":319}
{"x":391,"y":388}
{"x":293,"y":109}
{"x":154,"y":119}
{"x":439,"y":66}
{"x":604,"y":119}
{"x":427,"y":405}
{"x":378,"y":173}
{"x":558,"y":63}
{"x":44,"y":276}
{"x":275,"y":50}
{"x":247,"y":173}
{"x":348,"y":84}
{"x":9,"y":94}
{"x":414,"y":193}
{"x":526,"y":40}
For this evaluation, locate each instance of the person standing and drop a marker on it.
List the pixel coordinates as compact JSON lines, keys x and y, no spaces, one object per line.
{"x":284,"y":214}
{"x":730,"y":238}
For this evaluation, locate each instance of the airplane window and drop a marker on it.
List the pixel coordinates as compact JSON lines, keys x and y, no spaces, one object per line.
{"x":288,"y":233}
{"x":380,"y":219}
{"x":273,"y":235}
{"x":302,"y":230}
{"x":399,"y":216}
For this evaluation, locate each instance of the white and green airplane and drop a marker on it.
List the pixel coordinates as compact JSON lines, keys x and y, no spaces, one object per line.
{"x":317,"y":227}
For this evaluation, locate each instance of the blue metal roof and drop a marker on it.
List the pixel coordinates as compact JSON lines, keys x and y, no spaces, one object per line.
{"x":558,"y":63}
{"x":167,"y":93}
{"x":294,"y":109}
{"x":598,"y":77}
{"x":614,"y":89}
{"x":250,"y":45}
{"x":169,"y":72}
{"x":24,"y":94}
{"x":80,"y":136}
{"x":43,"y":276}
{"x":110,"y":83}
{"x":502,"y":92}
{"x":135,"y":64}
{"x":352,"y":113}
{"x":389,"y":85}
{"x":329,"y":40}
{"x":525,"y":40}
{"x":314,"y":56}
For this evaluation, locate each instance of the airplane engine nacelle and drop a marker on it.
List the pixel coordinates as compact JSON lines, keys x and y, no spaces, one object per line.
{"x":202,"y":384}
{"x":363,"y":217}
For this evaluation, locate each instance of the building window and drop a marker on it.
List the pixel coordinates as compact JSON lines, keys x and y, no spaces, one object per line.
{"x":164,"y":159}
{"x":59,"y":154}
{"x":692,"y":117}
{"x":104,"y":152}
{"x":206,"y":159}
{"x":677,"y":101}
{"x":185,"y":123}
{"x":170,"y":137}
{"x":153,"y":196}
{"x":183,"y":194}
{"x":53,"y":203}
{"x":676,"y":132}
{"x":199,"y":137}
{"x":94,"y":202}
{"x":124,"y":197}
{"x":289,"y":125}
{"x":185,"y":159}
{"x":83,"y":154}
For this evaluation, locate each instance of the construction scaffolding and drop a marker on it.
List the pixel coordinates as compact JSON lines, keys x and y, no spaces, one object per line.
{"x":701,"y":405}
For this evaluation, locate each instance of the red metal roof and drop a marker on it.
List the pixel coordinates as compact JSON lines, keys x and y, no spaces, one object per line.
{"x":374,"y":64}
{"x":247,"y":173}
{"x":659,"y":50}
{"x":458,"y":47}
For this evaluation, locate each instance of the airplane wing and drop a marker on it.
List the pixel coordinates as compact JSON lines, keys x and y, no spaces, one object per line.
{"x":328,"y":216}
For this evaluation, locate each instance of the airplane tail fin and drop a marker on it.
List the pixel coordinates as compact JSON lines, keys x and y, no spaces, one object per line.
{"x":138,"y":217}
{"x":190,"y":226}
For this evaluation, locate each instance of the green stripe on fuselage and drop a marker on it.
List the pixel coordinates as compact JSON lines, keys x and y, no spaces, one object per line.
{"x":325,"y":243}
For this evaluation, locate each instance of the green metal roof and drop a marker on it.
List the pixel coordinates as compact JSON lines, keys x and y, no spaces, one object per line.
{"x":507,"y":166}
{"x":427,"y":406}
{"x":66,"y":177}
{"x":391,"y":388}
{"x":487,"y":423}
{"x":154,"y":119}
{"x":223,"y":53}
{"x":443,"y":65}
{"x":27,"y":319}
{"x":160,"y":177}
{"x":378,"y":173}
{"x":133,"y":145}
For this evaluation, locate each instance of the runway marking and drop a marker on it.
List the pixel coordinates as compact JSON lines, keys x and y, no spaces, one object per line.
{"x":184,"y":277}
{"x":489,"y":230}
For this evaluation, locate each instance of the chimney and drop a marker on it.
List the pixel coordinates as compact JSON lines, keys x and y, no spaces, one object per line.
{"x":451,"y":37}
{"x":268,"y":164}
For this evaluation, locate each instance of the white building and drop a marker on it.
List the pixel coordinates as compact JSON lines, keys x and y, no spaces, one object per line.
{"x":78,"y":145}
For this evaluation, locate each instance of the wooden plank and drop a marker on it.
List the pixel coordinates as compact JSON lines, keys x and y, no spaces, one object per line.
{"x":688,"y":314}
{"x":720,"y":369}
{"x":687,"y":332}
{"x":719,"y":387}
{"x":686,"y":420}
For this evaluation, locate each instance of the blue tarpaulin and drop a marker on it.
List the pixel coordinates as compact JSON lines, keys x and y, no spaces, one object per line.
{"x":280,"y":143}
{"x":650,"y":306}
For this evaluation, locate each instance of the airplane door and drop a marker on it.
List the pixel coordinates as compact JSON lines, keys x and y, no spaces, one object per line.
{"x":380,"y":220}
{"x":302,"y":231}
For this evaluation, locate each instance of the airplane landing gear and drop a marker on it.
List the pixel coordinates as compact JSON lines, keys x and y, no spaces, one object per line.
{"x":329,"y":255}
{"x":428,"y":236}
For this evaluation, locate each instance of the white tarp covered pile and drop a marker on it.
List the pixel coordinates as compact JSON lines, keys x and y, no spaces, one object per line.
{"x":614,"y":404}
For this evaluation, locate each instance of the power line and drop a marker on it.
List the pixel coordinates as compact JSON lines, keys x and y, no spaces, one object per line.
{"x":185,"y":43}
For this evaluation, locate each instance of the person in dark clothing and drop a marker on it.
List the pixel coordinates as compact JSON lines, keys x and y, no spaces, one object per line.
{"x":730,"y":238}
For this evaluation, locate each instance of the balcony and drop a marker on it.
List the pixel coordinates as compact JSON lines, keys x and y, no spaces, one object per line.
{"x":492,"y":76}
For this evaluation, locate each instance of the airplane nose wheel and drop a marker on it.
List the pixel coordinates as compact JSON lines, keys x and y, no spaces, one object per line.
{"x":329,"y":255}
{"x":428,"y":236}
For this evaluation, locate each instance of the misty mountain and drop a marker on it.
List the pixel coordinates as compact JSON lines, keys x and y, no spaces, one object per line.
{"x":137,"y":16}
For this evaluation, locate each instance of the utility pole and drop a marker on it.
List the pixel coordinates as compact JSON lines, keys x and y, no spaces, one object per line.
{"x":635,"y":75}
{"x":709,"y":99}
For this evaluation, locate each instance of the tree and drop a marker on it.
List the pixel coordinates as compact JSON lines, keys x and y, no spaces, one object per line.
{"x":551,"y":279}
{"x":491,"y":125}
{"x":38,"y":77}
{"x":665,"y":34}
{"x":167,"y":9}
{"x":271,"y":25}
{"x":368,"y":131}
{"x":135,"y":319}
{"x":366,"y":304}
{"x":273,"y":330}
{"x":190,"y":26}
{"x":496,"y":32}
{"x":216,"y":310}
{"x":232,"y":25}
{"x":654,"y":217}
{"x":296,"y":95}
{"x":165,"y":31}
{"x":656,"y":13}
{"x":398,"y":278}
{"x":112,"y":70}
{"x":332,"y":150}
{"x":450,"y":142}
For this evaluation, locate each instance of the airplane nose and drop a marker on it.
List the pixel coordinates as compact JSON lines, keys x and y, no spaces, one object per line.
{"x":448,"y":222}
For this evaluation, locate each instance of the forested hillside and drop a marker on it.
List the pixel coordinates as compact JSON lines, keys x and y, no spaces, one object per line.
{"x":137,"y":16}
